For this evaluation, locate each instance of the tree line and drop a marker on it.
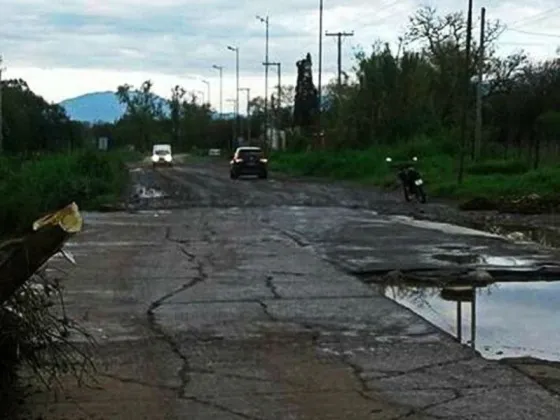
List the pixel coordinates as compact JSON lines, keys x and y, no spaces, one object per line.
{"x":30,"y":124}
{"x":390,"y":96}
{"x":418,"y":90}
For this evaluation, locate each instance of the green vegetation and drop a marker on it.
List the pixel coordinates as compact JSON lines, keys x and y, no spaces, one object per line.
{"x":47,"y":161}
{"x":400,"y":102}
{"x":411,"y":103}
{"x":44,"y":165}
{"x":32,"y":187}
{"x":490,"y":178}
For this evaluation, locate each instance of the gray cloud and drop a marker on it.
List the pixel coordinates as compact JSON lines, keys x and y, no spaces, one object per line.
{"x":179,"y":37}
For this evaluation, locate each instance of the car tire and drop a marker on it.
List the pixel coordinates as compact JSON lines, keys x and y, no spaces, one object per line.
{"x":263,"y":175}
{"x":233,"y":175}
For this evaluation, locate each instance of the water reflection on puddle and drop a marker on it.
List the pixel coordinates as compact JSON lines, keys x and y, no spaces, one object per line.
{"x":513,"y":319}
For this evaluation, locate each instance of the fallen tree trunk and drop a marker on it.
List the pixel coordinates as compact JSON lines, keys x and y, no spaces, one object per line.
{"x":21,"y":257}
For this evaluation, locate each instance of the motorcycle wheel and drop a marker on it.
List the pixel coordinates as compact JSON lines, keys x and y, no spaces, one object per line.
{"x":406,"y":195}
{"x":420,"y":194}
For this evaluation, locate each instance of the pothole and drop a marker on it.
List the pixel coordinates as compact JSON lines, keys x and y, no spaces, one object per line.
{"x":509,"y":319}
{"x":143,"y":192}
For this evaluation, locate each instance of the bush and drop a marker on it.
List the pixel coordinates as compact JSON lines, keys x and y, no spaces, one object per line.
{"x":505,"y":167}
{"x":437,"y":164}
{"x":34,"y":187}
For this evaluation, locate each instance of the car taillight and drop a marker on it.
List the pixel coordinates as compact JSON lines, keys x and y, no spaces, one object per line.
{"x":263,"y":160}
{"x":237,"y":160}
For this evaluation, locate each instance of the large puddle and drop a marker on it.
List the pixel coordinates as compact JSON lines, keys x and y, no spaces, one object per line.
{"x":513,"y":319}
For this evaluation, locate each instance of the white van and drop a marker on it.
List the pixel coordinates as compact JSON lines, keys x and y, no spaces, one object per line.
{"x":161,"y":155}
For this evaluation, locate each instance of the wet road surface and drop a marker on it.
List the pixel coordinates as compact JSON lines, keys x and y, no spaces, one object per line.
{"x":512,"y":319}
{"x":220,"y":299}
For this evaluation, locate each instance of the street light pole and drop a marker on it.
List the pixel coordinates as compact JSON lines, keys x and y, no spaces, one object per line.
{"x":201,"y":95}
{"x":236,"y":50}
{"x":279,"y":70}
{"x":220,"y":69}
{"x":265,"y":21}
{"x":248,"y":90}
{"x":207,"y":83}
{"x":233,"y":122}
{"x":320,"y":70}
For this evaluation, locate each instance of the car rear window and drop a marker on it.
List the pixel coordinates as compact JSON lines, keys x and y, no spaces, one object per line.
{"x":244,"y":154}
{"x":162,"y":152}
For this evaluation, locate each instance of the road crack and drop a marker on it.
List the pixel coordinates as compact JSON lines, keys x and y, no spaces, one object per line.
{"x":396,"y":374}
{"x":296,"y":238}
{"x":220,"y":407}
{"x":272,"y":287}
{"x":137,"y":382}
{"x":200,"y":277}
{"x":266,"y":311}
{"x":159,"y":331}
{"x":158,"y":302}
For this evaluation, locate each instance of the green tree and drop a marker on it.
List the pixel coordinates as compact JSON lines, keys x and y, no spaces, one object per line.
{"x":175,"y":106}
{"x":306,"y":104}
{"x":144,"y":110}
{"x":31,"y":124}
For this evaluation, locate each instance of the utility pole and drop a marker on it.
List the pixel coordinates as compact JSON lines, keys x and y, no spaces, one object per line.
{"x":207,"y":83}
{"x":248,"y":91}
{"x":232,"y":123}
{"x":236,"y":50}
{"x":340,"y":35}
{"x":266,"y":23}
{"x":320,"y":70}
{"x":1,"y":114}
{"x":477,"y":145}
{"x":220,"y":69}
{"x":279,"y":72}
{"x":466,"y":96}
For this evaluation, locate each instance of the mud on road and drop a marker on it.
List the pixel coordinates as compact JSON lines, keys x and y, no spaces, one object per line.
{"x":221,"y":299}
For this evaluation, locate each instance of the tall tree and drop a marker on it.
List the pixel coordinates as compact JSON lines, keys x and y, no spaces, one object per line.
{"x":31,"y":124}
{"x":175,"y":106}
{"x":143,"y":110}
{"x":306,"y":106}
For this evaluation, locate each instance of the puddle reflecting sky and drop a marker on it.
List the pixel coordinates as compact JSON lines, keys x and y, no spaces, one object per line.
{"x":513,"y":319}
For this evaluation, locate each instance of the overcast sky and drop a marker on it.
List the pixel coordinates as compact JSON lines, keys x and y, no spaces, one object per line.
{"x":64,"y":48}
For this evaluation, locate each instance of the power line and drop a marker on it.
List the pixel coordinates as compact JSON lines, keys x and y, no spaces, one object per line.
{"x":387,"y":6}
{"x":535,"y":18}
{"x":526,"y":44}
{"x":534,"y":33}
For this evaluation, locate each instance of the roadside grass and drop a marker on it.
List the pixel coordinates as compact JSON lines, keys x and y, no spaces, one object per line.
{"x":437,"y":163}
{"x":32,"y":187}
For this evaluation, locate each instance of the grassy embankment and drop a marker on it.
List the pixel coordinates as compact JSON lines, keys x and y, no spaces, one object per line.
{"x":32,"y":187}
{"x":490,"y":178}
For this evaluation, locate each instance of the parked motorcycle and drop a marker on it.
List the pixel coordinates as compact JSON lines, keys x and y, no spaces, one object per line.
{"x":411,"y":180}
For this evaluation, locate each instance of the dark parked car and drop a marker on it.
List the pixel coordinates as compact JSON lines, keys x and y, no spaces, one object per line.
{"x":248,"y":161}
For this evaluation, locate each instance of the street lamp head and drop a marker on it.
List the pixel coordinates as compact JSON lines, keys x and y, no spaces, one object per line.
{"x":231,"y":48}
{"x":217,"y":67}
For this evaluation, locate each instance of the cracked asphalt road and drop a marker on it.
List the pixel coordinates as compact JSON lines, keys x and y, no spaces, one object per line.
{"x":226,"y":300}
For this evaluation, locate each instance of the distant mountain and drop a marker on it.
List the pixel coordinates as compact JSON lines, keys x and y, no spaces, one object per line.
{"x":94,"y":107}
{"x":103,"y":107}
